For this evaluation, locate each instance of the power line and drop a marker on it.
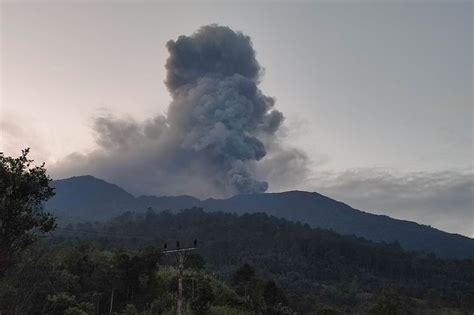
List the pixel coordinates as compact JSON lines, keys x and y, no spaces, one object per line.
{"x":107,"y":233}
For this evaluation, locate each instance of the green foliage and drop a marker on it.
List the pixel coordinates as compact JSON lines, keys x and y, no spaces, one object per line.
{"x":58,"y":303}
{"x":68,"y":275}
{"x":275,"y":298}
{"x":328,"y":311}
{"x":296,"y":256}
{"x":75,"y":311}
{"x":388,"y":304}
{"x":23,"y":190}
{"x":130,"y":309}
{"x":227,"y":310}
{"x":391,"y":302}
{"x":204,"y":298}
{"x":194,"y":261}
{"x":243,"y":276}
{"x":63,"y":277}
{"x":7,"y":295}
{"x":334,"y":270}
{"x":248,"y":285}
{"x":163,"y":303}
{"x":64,"y":303}
{"x":31,"y":280}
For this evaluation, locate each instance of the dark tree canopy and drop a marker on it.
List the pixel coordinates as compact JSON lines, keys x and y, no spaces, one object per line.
{"x":243,"y":275}
{"x":204,"y":298}
{"x":253,"y":264}
{"x":23,"y":190}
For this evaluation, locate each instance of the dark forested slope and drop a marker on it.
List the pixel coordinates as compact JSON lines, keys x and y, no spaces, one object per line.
{"x":321,"y":211}
{"x":248,"y":264}
{"x":298,"y":256}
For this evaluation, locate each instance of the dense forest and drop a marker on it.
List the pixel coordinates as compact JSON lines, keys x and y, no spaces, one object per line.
{"x":312,"y":270}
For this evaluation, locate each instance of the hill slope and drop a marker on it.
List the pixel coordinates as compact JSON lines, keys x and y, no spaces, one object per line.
{"x":302,"y":259}
{"x":90,"y":198}
{"x":320,"y":211}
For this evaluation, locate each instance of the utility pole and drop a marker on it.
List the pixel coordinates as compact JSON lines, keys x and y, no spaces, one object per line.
{"x":180,"y":259}
{"x":112,"y":294}
{"x":111,"y":301}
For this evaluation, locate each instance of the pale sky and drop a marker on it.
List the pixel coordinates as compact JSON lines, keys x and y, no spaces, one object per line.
{"x":364,"y":85}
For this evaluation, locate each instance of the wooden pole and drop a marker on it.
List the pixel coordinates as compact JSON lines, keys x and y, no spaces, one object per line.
{"x":180,"y":282}
{"x":111,"y":301}
{"x":181,"y":256}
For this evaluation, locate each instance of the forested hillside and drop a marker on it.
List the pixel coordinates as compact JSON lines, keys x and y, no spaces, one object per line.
{"x":320,"y":211}
{"x":315,"y":267}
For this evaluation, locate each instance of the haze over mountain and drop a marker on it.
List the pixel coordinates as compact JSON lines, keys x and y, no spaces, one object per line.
{"x":90,"y":198}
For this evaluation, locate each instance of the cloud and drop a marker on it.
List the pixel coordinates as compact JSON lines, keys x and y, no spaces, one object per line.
{"x":219,"y":125}
{"x":442,"y":199}
{"x":15,"y":137}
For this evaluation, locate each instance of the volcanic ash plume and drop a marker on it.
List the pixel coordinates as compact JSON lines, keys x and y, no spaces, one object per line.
{"x":211,"y":138}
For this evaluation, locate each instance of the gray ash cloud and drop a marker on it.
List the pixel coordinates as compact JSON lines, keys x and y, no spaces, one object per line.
{"x":216,"y":129}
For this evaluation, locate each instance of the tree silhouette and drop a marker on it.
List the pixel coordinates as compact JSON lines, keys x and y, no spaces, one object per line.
{"x":23,"y":190}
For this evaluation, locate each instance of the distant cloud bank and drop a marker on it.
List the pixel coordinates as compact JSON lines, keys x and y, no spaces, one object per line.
{"x":444,"y":200}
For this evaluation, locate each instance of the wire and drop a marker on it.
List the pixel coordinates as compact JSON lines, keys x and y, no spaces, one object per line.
{"x":113,"y":235}
{"x":107,"y":233}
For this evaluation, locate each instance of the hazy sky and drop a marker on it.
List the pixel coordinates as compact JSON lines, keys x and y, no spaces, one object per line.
{"x":378,"y":94}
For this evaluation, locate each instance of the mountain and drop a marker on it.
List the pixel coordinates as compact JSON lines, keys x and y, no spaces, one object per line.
{"x":90,"y":198}
{"x":320,"y":211}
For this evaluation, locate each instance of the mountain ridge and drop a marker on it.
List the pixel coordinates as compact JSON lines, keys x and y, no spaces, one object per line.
{"x":91,"y":198}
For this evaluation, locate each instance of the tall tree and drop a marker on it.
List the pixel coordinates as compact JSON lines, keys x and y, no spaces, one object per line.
{"x":23,"y":190}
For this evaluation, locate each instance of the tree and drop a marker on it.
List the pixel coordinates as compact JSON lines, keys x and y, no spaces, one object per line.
{"x":248,"y":285}
{"x":58,"y":303}
{"x":388,"y":304}
{"x":23,"y":190}
{"x":202,"y":303}
{"x":273,"y":295}
{"x":130,"y":309}
{"x":243,"y":275}
{"x":194,"y":261}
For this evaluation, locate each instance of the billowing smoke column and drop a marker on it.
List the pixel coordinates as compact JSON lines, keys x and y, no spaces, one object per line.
{"x":210,"y":140}
{"x":217,"y":107}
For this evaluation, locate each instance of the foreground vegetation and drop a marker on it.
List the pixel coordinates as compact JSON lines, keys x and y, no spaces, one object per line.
{"x":82,"y":277}
{"x":87,"y":280}
{"x":250,"y":264}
